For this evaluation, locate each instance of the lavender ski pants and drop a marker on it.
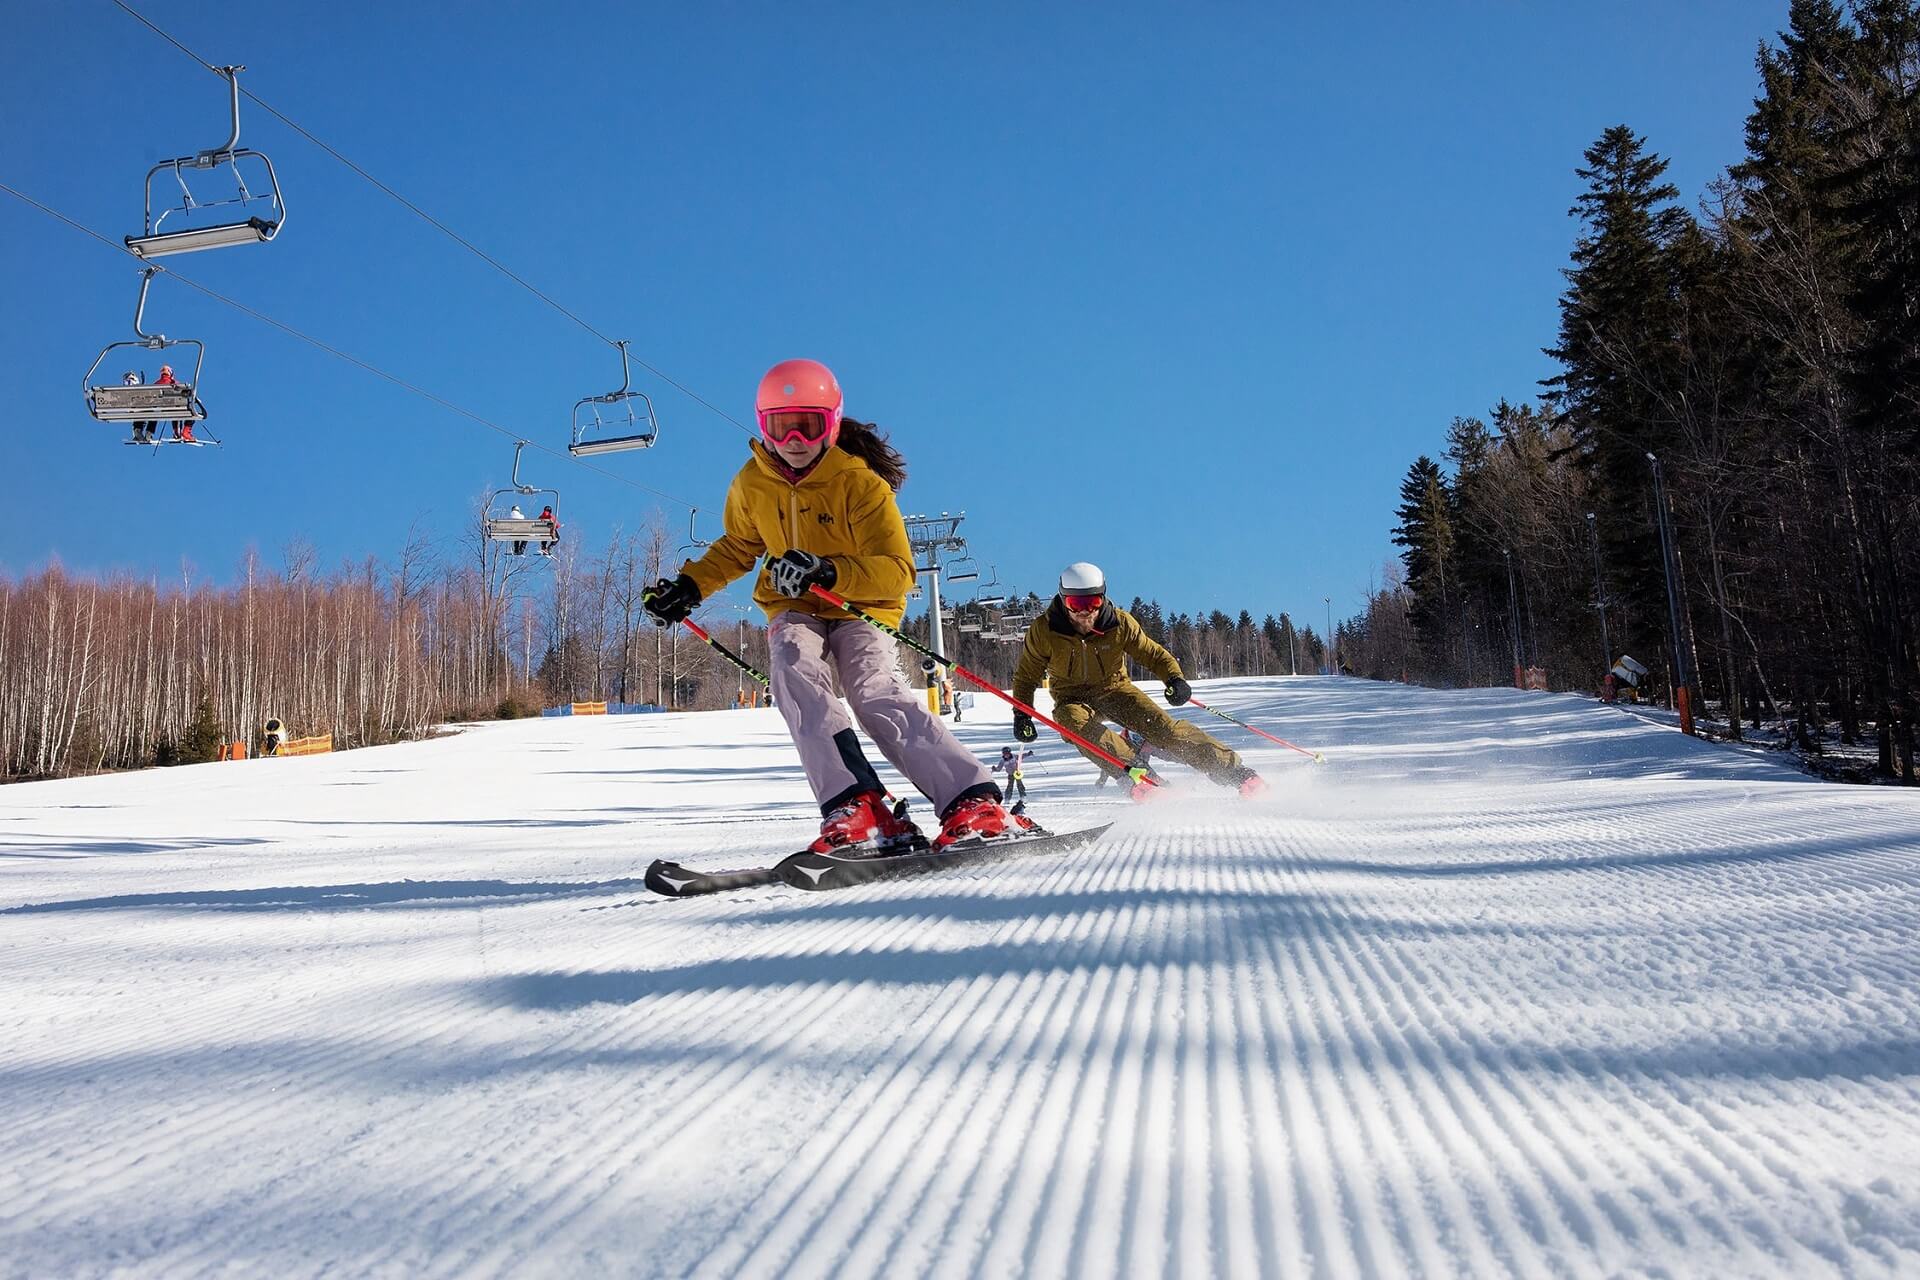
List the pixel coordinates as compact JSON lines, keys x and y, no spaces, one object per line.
{"x":805,"y":651}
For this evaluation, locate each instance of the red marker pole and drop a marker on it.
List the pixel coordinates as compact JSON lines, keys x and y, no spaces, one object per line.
{"x":1315,"y":756}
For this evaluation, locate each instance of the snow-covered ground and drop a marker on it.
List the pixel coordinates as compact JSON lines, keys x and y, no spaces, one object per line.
{"x":1513,"y":984}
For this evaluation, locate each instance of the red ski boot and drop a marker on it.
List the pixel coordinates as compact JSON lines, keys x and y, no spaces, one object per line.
{"x":980,"y":818}
{"x":1253,"y":786}
{"x":864,"y":823}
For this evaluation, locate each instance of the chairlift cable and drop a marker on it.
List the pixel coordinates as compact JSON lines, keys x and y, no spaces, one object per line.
{"x":434,"y":222}
{"x":336,"y":352}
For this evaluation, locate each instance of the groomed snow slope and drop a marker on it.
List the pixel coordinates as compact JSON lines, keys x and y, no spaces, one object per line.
{"x":1513,"y":984}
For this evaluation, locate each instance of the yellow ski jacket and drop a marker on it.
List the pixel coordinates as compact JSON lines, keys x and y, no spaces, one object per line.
{"x":840,"y":510}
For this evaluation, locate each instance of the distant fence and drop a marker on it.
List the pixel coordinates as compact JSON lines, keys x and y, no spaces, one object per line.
{"x":315,"y":746}
{"x":602,"y":709}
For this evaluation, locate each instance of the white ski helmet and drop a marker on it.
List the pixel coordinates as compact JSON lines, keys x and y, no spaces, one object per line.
{"x":1083,"y":579}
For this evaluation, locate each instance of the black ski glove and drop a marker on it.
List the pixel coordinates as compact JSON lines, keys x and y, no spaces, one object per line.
{"x":1023,"y":727}
{"x":1178,"y":691}
{"x":671,"y":602}
{"x":795,"y":571}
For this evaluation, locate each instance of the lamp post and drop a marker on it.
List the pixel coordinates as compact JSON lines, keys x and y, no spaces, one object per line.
{"x":1600,"y":599}
{"x":1513,"y":624}
{"x":1333,"y":658}
{"x":1682,"y":675}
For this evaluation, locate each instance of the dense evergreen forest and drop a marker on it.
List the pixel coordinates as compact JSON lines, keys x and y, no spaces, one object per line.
{"x":1751,"y":371}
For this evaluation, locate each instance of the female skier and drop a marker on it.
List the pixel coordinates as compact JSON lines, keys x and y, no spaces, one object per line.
{"x":816,"y":498}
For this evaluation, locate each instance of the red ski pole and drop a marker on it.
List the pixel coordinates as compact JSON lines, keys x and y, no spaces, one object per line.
{"x":1132,"y":771}
{"x":1314,"y":755}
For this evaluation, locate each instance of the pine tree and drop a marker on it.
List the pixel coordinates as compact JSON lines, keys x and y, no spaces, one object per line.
{"x":1881,"y":195}
{"x":203,"y":738}
{"x":1616,"y":326}
{"x":1426,"y":531}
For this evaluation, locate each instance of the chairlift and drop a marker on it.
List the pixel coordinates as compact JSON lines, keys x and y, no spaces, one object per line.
{"x":694,"y":538}
{"x":498,"y":526}
{"x":969,"y":628}
{"x":969,"y":574}
{"x":148,"y":401}
{"x":621,"y":427}
{"x":993,"y":581}
{"x":250,"y":228}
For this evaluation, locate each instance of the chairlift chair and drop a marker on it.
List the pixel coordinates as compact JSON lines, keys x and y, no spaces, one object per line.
{"x":957,"y":574}
{"x":621,"y":427}
{"x":250,"y":228}
{"x":507,"y":528}
{"x":148,"y":402}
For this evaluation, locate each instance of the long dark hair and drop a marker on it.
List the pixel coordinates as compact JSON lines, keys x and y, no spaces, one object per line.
{"x":864,"y":441}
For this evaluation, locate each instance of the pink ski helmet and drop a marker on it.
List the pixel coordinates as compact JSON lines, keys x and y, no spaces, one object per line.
{"x":799,"y":396}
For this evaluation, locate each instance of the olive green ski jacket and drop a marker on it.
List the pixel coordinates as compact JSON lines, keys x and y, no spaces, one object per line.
{"x":1086,"y":664}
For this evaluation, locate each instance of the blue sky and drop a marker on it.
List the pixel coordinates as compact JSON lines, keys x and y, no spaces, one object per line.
{"x":1178,"y":289}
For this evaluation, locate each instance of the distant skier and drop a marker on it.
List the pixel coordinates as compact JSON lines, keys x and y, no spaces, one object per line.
{"x":515,"y":513}
{"x":1081,"y":644}
{"x":816,"y":498}
{"x":1009,"y":764}
{"x":548,"y":544}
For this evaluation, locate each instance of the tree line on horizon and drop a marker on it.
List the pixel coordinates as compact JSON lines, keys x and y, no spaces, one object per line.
{"x":122,"y":673}
{"x":1766,"y":351}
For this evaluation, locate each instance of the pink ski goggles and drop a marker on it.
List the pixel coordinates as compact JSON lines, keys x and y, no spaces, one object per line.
{"x":780,"y":426}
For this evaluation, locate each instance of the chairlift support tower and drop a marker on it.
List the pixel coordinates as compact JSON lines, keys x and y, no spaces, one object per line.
{"x":929,"y":536}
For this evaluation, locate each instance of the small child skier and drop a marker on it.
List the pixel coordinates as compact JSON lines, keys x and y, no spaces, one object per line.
{"x":1016,"y":789}
{"x":816,"y":499}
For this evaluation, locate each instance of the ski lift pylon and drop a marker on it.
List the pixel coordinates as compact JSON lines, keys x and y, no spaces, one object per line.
{"x":148,"y":401}
{"x":621,"y":428}
{"x":251,"y":228}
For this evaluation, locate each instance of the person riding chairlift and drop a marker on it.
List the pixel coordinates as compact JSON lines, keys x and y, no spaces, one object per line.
{"x":182,"y":427}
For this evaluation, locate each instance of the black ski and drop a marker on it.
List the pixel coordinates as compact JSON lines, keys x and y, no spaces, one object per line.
{"x":809,"y":870}
{"x":677,"y":881}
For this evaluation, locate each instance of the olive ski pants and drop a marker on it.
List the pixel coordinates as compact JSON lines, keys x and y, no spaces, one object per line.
{"x":805,"y":652}
{"x":1082,"y":711}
